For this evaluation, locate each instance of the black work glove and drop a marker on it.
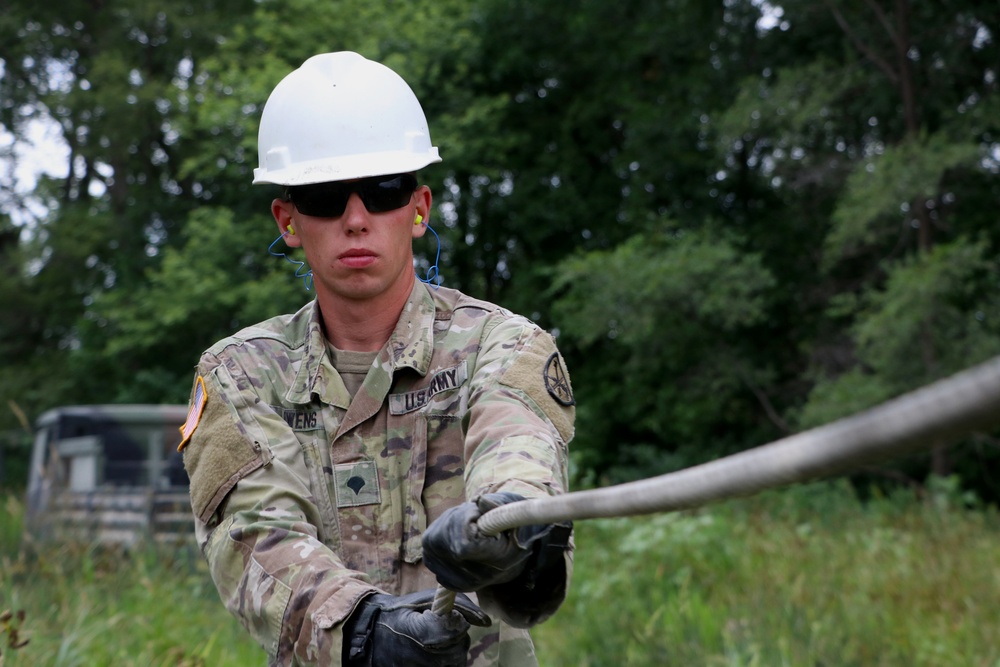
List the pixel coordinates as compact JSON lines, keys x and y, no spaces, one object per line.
{"x":386,"y":631}
{"x":463,"y":559}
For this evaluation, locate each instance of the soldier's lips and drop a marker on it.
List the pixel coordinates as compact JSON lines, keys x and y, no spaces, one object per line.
{"x":358,"y":258}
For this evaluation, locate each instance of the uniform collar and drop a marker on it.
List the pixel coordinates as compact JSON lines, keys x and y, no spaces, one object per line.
{"x":411,"y":345}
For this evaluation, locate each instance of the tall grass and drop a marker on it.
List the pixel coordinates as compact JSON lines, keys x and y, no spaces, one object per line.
{"x":805,"y":577}
{"x":87,"y":606}
{"x":801,"y":578}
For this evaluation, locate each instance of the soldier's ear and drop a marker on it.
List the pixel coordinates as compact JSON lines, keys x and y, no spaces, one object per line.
{"x":282,"y":211}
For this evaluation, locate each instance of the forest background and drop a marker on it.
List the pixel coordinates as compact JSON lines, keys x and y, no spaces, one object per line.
{"x":741,"y":219}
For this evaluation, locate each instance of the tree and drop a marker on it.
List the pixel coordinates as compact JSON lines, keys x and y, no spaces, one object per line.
{"x":738,"y":228}
{"x":882,"y":118}
{"x":109,"y":75}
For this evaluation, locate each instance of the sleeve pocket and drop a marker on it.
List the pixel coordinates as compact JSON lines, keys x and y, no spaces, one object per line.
{"x":219,"y":454}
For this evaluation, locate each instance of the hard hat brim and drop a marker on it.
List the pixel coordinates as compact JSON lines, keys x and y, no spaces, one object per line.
{"x":346,"y":168}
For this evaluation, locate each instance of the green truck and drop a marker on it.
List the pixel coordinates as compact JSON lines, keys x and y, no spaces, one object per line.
{"x":108,"y":474}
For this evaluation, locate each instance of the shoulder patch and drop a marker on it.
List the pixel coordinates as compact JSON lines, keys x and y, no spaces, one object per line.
{"x":196,"y":407}
{"x":557,"y":380}
{"x":540,"y":372}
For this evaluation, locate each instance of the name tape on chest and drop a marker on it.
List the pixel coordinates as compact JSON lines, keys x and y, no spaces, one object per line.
{"x":301,"y":419}
{"x":443,"y":380}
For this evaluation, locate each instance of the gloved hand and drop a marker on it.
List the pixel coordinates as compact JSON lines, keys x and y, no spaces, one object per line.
{"x":387,"y":631}
{"x":463,"y":559}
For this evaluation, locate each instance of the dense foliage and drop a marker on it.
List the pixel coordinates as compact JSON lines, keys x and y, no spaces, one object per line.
{"x":742,"y":219}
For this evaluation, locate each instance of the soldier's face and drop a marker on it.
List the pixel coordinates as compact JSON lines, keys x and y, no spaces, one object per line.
{"x":359,"y":255}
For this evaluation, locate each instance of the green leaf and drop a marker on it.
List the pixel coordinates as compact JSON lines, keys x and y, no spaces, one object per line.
{"x":881,"y":190}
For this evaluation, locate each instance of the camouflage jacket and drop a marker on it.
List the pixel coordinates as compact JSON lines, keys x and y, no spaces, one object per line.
{"x":306,"y":500}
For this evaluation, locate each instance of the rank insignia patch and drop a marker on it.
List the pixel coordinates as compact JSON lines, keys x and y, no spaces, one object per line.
{"x":557,"y":380}
{"x":357,"y":484}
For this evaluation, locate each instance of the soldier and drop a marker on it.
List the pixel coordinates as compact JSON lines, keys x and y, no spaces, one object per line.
{"x":339,"y":456}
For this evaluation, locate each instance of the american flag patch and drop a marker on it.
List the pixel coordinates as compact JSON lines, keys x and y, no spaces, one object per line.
{"x":194,"y":412}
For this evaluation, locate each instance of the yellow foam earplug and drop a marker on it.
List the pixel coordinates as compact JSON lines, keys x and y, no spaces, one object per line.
{"x":291,"y":231}
{"x":418,"y":219}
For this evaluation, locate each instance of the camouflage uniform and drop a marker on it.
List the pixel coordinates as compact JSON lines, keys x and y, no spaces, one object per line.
{"x":306,"y":500}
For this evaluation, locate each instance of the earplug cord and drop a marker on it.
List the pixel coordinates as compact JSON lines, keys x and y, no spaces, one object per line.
{"x":432,"y":276}
{"x":301,"y":270}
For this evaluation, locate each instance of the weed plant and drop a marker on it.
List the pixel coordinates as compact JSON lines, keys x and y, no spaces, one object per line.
{"x":806,"y":577}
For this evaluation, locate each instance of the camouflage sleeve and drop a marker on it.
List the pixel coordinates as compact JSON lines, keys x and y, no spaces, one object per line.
{"x":257,"y":524}
{"x":521,"y":415}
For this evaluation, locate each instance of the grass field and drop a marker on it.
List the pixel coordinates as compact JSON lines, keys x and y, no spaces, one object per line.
{"x":809,"y":577}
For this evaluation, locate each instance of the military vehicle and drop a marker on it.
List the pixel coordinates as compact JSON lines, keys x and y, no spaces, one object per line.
{"x":108,"y":474}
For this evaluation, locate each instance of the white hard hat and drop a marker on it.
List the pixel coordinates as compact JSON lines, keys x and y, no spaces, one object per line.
{"x":341,"y":116}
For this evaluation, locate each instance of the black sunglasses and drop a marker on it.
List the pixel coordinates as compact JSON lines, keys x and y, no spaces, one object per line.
{"x":329,"y":200}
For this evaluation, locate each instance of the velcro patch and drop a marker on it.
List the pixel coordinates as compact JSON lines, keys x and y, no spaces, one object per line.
{"x":356,"y":484}
{"x":557,"y":380}
{"x":306,"y":419}
{"x":444,"y":380}
{"x":220,"y":453}
{"x":540,"y":372}
{"x":195,"y":410}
